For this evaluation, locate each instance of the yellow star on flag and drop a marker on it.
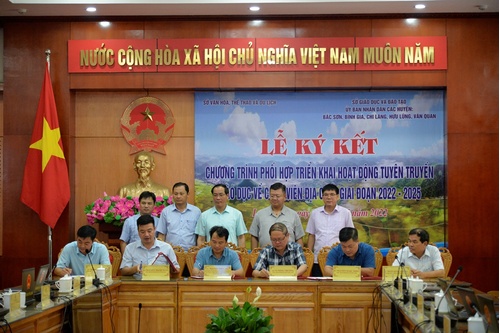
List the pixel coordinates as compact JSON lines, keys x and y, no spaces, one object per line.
{"x":49,"y":144}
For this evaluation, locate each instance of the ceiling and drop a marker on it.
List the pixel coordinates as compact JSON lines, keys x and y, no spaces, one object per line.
{"x":107,"y":8}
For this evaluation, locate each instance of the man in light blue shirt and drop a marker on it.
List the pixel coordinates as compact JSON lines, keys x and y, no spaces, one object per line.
{"x":218,"y":254}
{"x":147,"y":251}
{"x":74,"y":255}
{"x":177,"y":223}
{"x":147,"y":201}
{"x":222,"y":215}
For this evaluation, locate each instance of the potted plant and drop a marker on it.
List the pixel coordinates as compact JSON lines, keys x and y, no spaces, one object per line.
{"x":241,"y":319}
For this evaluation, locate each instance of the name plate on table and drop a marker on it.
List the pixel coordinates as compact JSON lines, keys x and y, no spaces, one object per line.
{"x":15,"y":301}
{"x":390,"y":273}
{"x":216,"y":272}
{"x":90,"y":272}
{"x":346,"y":273}
{"x":45,"y":297}
{"x":76,"y":285}
{"x":156,"y":272}
{"x":283,"y":272}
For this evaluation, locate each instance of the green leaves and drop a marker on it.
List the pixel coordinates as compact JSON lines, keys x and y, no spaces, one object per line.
{"x":237,"y":319}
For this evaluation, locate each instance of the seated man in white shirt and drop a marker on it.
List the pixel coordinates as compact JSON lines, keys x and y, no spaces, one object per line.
{"x":148,"y":250}
{"x":423,"y":259}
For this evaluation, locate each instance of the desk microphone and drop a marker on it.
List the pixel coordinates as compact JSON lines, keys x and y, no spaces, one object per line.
{"x":439,"y":318}
{"x":95,"y":281}
{"x":400,"y":271}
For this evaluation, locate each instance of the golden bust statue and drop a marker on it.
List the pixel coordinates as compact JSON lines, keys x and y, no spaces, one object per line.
{"x":144,"y":164}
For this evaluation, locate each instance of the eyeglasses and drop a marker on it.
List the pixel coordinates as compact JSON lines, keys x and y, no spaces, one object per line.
{"x":278,"y":240}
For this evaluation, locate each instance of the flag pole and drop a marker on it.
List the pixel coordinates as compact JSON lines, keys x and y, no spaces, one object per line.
{"x":49,"y":236}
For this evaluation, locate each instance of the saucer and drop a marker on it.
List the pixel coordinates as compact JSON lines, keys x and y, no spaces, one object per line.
{"x":66,"y":292}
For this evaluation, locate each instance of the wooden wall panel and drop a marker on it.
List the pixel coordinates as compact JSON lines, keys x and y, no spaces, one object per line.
{"x":472,"y":76}
{"x":117,"y":30}
{"x":1,"y":114}
{"x":473,"y":149}
{"x":347,"y":79}
{"x":402,"y":27}
{"x":333,"y":28}
{"x":273,"y":80}
{"x":261,"y":28}
{"x":395,"y":79}
{"x":107,"y":81}
{"x":182,"y":29}
{"x":1,"y":173}
{"x":181,"y":81}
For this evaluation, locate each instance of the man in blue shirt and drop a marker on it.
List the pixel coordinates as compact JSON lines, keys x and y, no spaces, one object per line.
{"x":147,"y":202}
{"x":350,"y":252}
{"x":178,"y":221}
{"x":218,"y":254}
{"x":74,"y":255}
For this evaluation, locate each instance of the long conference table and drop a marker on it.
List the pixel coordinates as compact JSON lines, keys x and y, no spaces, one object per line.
{"x":128,"y":305}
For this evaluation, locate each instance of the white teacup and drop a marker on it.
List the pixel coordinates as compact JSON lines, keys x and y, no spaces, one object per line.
{"x":101,"y":273}
{"x":64,"y":284}
{"x":416,"y":285}
{"x":6,"y":299}
{"x":443,"y":304}
{"x":22,"y":300}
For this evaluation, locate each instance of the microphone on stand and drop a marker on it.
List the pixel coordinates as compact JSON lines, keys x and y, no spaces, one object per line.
{"x":439,"y":322}
{"x":401,"y":270}
{"x":139,"y":320}
{"x":95,"y":281}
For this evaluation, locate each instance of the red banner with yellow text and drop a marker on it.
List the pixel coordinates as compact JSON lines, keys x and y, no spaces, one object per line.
{"x":258,"y":54}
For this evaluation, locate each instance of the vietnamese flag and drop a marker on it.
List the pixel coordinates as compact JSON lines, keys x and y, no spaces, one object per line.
{"x":46,"y":181}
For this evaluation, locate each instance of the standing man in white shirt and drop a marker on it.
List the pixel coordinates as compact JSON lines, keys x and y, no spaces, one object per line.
{"x":326,"y":222}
